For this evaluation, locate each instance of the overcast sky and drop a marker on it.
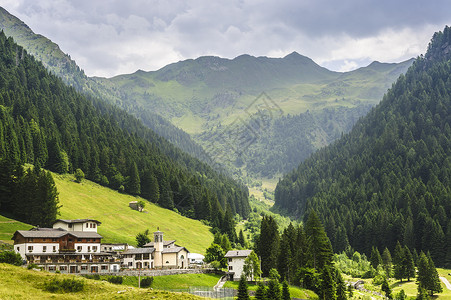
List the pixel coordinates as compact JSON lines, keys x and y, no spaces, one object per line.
{"x":111,"y":37}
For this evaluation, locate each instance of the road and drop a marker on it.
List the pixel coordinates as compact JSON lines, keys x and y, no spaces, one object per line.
{"x":446,"y":282}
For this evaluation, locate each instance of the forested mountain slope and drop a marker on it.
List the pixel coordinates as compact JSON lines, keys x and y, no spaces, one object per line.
{"x":389,"y":179}
{"x":46,"y":123}
{"x":64,"y":67}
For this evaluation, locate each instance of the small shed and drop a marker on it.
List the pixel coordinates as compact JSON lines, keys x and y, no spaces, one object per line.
{"x":135,"y":206}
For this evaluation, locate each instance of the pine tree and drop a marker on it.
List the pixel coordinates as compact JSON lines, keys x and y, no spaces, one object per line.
{"x":268,"y":244}
{"x":273,"y":291}
{"x":285,"y":291}
{"x":427,"y":278}
{"x":341,"y":286}
{"x":320,"y":249}
{"x":134,"y":182}
{"x":398,"y":262}
{"x":387,"y":262}
{"x":385,"y":287}
{"x":376,"y":258}
{"x":142,"y":239}
{"x":409,"y":267}
{"x":328,"y":285}
{"x":225,"y":243}
{"x":242,"y":289}
{"x":260,"y":294}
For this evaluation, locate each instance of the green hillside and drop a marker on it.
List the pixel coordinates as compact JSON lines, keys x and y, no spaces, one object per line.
{"x":119,"y":222}
{"x":8,"y":227}
{"x":389,"y":179}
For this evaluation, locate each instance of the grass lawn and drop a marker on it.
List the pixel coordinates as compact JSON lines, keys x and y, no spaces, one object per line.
{"x":20,"y":283}
{"x":9,"y":226}
{"x":119,"y":222}
{"x":295,"y":292}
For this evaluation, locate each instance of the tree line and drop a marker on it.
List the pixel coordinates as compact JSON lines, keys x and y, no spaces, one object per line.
{"x":47,"y":124}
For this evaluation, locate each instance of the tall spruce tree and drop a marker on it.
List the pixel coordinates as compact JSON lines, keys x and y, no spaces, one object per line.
{"x":243,"y":294}
{"x":320,"y":250}
{"x":268,"y":244}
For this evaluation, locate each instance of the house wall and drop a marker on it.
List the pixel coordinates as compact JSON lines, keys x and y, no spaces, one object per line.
{"x":236,"y":266}
{"x":23,"y":249}
{"x":86,"y":226}
{"x":131,"y":263}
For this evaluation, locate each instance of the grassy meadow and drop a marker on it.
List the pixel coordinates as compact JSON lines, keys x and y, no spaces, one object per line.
{"x":8,"y":227}
{"x":119,"y":222}
{"x":20,"y":283}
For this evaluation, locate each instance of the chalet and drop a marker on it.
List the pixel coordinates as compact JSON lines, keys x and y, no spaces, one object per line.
{"x":71,"y":246}
{"x":235,"y":261}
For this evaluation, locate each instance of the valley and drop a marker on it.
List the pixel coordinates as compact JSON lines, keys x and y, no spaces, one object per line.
{"x":307,"y":182}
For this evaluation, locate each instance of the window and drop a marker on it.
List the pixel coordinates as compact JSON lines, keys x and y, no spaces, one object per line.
{"x":130,"y":264}
{"x":54,"y":248}
{"x":103,"y":267}
{"x":79,"y":240}
{"x":30,"y":248}
{"x":44,"y":248}
{"x":79,"y":248}
{"x":17,"y":249}
{"x":84,"y":268}
{"x":94,"y":248}
{"x":87,"y":225}
{"x":138,"y":256}
{"x":69,"y":225}
{"x":94,"y":225}
{"x":146,"y":256}
{"x":53,"y":240}
{"x":230,"y":260}
{"x":89,"y":248}
{"x":30,"y":240}
{"x":52,"y":268}
{"x":167,"y":262}
{"x":146,"y":264}
{"x":230,"y":268}
{"x":63,"y":268}
{"x":90,"y":225}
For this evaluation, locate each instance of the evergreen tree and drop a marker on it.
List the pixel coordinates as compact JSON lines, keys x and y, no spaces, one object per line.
{"x":79,"y":175}
{"x":320,"y":249}
{"x":341,"y":286}
{"x":387,"y":262}
{"x":242,"y":239}
{"x":376,"y":258}
{"x":225,"y":243}
{"x":142,"y":239}
{"x":260,"y":294}
{"x":268,"y":244}
{"x":285,"y":291}
{"x":427,"y":278}
{"x":273,"y":291}
{"x":386,"y":289}
{"x":134,"y":182}
{"x":328,"y":285}
{"x":242,"y":289}
{"x":409,"y":267}
{"x":399,"y":262}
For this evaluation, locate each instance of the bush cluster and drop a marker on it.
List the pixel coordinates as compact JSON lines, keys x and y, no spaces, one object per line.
{"x":64,"y":286}
{"x":146,"y":282}
{"x":115,"y":279}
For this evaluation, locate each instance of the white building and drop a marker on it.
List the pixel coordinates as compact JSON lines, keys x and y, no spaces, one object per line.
{"x":68,"y":251}
{"x":195,"y":258}
{"x":139,"y":258}
{"x":235,"y":261}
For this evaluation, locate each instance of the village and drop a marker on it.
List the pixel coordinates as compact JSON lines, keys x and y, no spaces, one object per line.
{"x":75,"y":246}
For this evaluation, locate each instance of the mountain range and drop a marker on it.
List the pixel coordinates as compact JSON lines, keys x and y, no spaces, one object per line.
{"x":215,"y":101}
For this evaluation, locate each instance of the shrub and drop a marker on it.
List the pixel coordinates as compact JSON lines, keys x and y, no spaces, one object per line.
{"x":64,"y":286}
{"x":115,"y":279}
{"x":92,"y":276}
{"x":146,"y":282}
{"x":11,"y":257}
{"x":79,"y":175}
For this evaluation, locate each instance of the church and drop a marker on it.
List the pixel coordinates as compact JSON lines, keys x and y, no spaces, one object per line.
{"x":159,"y":254}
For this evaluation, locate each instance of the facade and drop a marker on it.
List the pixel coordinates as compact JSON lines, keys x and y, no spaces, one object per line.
{"x":195,"y":259}
{"x":167,"y":254}
{"x":139,"y":258}
{"x":235,"y":261}
{"x":67,"y":251}
{"x":77,"y":225}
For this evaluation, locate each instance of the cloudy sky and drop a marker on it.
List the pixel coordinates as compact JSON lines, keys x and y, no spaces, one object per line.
{"x":110,"y":37}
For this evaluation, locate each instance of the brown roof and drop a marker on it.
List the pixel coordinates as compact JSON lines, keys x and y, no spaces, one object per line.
{"x":238,"y":253}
